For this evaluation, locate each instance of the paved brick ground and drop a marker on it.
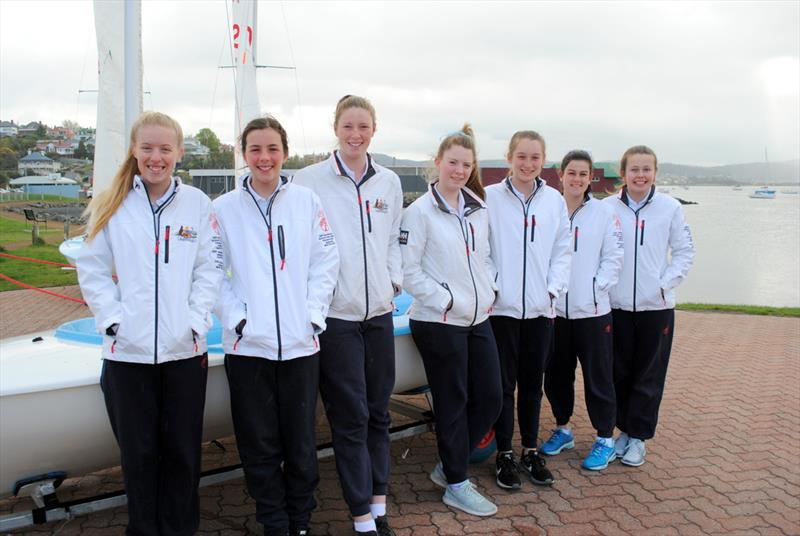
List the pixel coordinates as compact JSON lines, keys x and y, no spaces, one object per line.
{"x":724,"y":461}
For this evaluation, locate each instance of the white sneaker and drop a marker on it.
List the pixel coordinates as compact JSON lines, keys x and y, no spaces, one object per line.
{"x":621,"y":444}
{"x":468,"y":499}
{"x":438,"y":477}
{"x":634,"y":454}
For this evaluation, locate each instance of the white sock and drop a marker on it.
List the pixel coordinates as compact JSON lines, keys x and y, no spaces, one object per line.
{"x":607,"y":441}
{"x":377,"y":509}
{"x":456,"y":487}
{"x":365,"y":526}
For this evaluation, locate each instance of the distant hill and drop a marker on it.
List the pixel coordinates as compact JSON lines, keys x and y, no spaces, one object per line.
{"x":752,"y":173}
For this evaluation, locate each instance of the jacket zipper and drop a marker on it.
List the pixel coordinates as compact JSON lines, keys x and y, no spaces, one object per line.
{"x":281,"y":246}
{"x":369,"y":216}
{"x":364,"y":251}
{"x":575,"y":248}
{"x":156,"y":212}
{"x":452,"y":301}
{"x":641,"y":237}
{"x":594,"y":295}
{"x":268,"y":222}
{"x":469,"y":265}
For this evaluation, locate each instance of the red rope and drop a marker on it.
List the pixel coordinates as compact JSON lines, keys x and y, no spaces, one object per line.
{"x":25,"y":285}
{"x":40,"y":261}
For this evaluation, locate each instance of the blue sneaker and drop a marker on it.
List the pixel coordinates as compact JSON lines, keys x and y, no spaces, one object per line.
{"x":465,"y":497}
{"x":560,"y":440}
{"x":600,"y":456}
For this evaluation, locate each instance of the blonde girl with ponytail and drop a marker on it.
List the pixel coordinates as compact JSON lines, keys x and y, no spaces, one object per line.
{"x":160,"y":238}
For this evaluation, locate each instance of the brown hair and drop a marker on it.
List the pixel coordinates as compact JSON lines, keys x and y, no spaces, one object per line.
{"x":636,"y":149}
{"x":103,"y":206}
{"x":352,"y":101}
{"x":524,"y":135}
{"x":465,"y":138}
{"x":262,"y":123}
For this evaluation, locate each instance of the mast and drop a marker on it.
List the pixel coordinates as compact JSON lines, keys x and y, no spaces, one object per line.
{"x":118,"y":26}
{"x":243,"y":39}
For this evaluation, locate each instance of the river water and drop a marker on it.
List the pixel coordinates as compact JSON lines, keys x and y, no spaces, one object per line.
{"x":748,"y":250}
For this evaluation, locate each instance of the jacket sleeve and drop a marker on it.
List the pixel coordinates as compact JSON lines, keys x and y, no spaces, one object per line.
{"x":207,"y":273}
{"x":561,"y":255}
{"x":422,"y":287}
{"x":682,"y":246}
{"x":95,"y":264}
{"x":323,"y":269}
{"x":612,"y":254}
{"x":229,"y":308}
{"x":395,"y":256}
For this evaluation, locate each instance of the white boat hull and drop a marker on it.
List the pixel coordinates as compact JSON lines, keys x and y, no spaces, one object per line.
{"x":53,"y":416}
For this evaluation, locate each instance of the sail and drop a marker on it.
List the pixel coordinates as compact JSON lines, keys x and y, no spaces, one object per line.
{"x":243,"y":39}
{"x":118,"y":26}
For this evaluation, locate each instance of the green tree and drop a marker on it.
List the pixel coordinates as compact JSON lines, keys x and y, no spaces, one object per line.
{"x":207,"y":137}
{"x":8,"y":158}
{"x":81,"y":151}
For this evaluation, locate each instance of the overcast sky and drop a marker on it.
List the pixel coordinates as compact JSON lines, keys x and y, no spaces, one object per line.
{"x":701,"y":83}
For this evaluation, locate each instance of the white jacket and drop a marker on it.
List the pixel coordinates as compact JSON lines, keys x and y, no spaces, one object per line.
{"x":530,"y":247}
{"x":658,"y":252}
{"x":169,"y":266}
{"x":365,"y":217}
{"x":283,"y":266}
{"x":597,"y":254}
{"x":446,"y":263}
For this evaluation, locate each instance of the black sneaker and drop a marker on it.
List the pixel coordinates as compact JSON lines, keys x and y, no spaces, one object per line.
{"x":534,"y":465}
{"x":507,"y":471}
{"x":383,"y":526}
{"x":367,"y":533}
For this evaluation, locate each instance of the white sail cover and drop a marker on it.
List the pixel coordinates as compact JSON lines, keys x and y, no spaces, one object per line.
{"x":119,"y":83}
{"x":243,"y":39}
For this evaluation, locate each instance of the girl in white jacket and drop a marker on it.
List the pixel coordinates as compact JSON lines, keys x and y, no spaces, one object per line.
{"x":160,"y":237}
{"x":531,"y":249}
{"x":363,"y":201}
{"x":583,"y":321}
{"x":447,"y":269}
{"x":283,"y":261}
{"x":658,"y":254}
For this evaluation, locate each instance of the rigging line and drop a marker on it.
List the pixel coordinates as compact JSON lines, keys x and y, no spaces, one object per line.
{"x":83,"y":74}
{"x":216,"y":81}
{"x":296,"y":80}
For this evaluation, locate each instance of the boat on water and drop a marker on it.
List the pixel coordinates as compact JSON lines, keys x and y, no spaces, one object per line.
{"x":737,"y":188}
{"x":53,"y":418}
{"x":790,"y":192}
{"x":763,"y":193}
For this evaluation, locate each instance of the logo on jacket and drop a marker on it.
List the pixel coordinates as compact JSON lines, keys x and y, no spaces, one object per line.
{"x":186,"y":233}
{"x":323,"y":222}
{"x":403,"y":237}
{"x":380,"y":205}
{"x":212,"y":220}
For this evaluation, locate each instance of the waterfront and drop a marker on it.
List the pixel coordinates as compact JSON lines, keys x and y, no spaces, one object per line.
{"x":748,"y":250}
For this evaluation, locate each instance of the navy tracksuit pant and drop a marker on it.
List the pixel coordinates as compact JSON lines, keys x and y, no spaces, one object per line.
{"x":463,"y":374}
{"x":524,"y":349}
{"x":273,"y":404}
{"x":356,"y":381}
{"x":589,"y":340}
{"x":642,"y":345}
{"x":156,"y":413}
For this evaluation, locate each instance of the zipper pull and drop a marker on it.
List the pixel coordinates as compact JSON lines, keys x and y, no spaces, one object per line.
{"x":641,"y":236}
{"x":533,"y":227}
{"x":575,"y":248}
{"x":166,"y":245}
{"x":157,"y":242}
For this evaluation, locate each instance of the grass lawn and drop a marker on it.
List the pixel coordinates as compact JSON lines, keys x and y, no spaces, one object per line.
{"x":743,"y":309}
{"x":12,"y":231}
{"x":37,"y":275}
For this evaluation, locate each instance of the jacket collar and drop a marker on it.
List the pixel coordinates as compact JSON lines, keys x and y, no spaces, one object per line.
{"x":140,"y":188}
{"x":623,"y":195}
{"x":471,"y":201}
{"x":245,"y":182}
{"x":338,"y":168}
{"x":510,"y":187}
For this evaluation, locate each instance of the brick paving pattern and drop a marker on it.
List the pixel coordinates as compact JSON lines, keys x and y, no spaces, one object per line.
{"x":724,"y":460}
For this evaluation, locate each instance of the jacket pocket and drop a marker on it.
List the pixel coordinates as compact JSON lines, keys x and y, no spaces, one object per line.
{"x":452,"y":301}
{"x":594,"y":293}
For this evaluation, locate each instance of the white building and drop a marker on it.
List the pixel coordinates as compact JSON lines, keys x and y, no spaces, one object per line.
{"x":38,"y":163}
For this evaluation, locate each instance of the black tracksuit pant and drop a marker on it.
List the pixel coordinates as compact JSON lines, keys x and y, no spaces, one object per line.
{"x":463,"y":374}
{"x":642,"y":345}
{"x":273,"y":404}
{"x":156,"y":413}
{"x":356,"y":381}
{"x":589,"y":340}
{"x":524,"y":349}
